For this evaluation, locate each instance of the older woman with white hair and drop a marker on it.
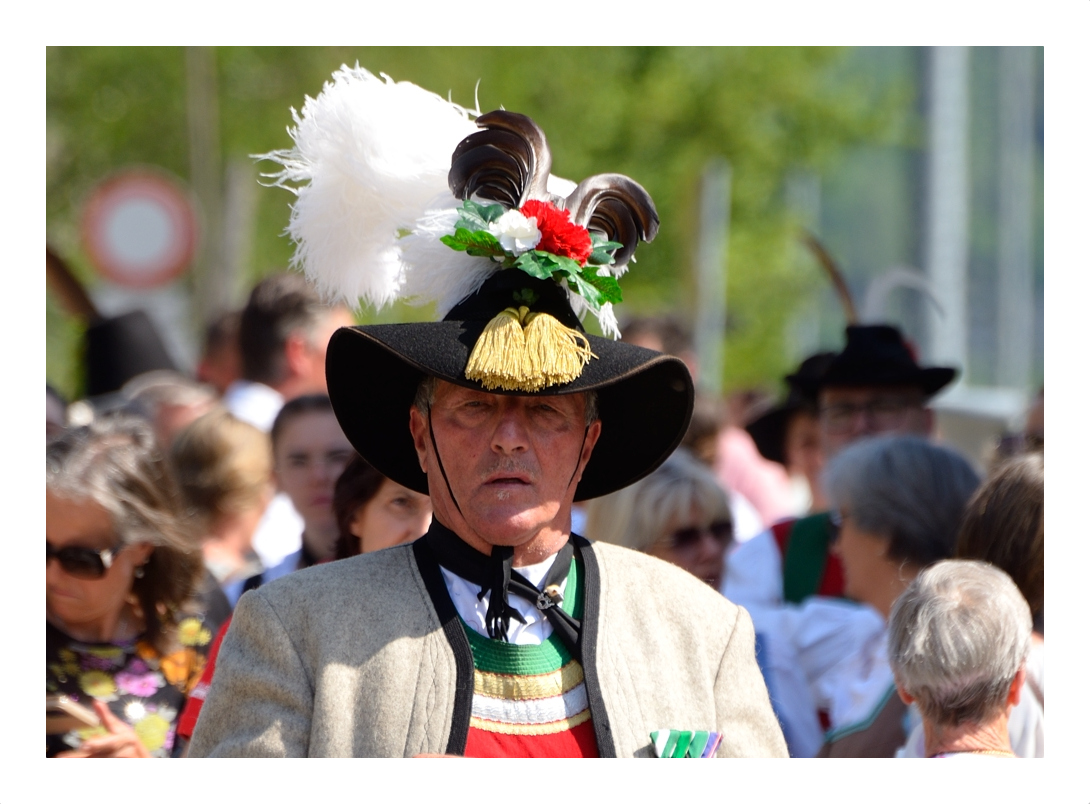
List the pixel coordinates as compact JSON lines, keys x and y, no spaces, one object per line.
{"x":678,"y":513}
{"x":958,"y":641}
{"x":898,"y":501}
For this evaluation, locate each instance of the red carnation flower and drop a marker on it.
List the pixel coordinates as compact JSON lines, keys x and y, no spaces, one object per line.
{"x":558,"y":234}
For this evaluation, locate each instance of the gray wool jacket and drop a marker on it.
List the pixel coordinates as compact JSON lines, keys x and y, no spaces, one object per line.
{"x":367,"y":657}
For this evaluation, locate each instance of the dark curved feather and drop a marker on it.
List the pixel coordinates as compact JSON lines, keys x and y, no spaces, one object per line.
{"x":618,"y":207}
{"x":489,"y":172}
{"x":840,"y":285}
{"x":508,"y":161}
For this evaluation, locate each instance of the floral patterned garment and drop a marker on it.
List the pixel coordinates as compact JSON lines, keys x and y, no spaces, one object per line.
{"x":142,"y":687}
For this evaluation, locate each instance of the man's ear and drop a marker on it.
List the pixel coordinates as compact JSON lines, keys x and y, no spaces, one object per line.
{"x":418,"y":426}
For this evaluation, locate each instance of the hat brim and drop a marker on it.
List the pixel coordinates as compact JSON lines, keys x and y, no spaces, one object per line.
{"x":645,"y":398}
{"x":929,"y":380}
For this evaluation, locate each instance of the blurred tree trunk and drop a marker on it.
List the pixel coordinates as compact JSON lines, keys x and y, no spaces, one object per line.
{"x":211,"y":279}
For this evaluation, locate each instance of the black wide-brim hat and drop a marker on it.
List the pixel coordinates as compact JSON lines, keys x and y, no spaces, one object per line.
{"x":876,"y":355}
{"x":769,"y":430}
{"x":645,"y":398}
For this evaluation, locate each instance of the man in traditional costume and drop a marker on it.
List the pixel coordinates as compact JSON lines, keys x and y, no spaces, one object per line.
{"x":500,"y":632}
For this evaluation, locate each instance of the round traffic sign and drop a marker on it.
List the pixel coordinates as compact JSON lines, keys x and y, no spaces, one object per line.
{"x":139,"y":228}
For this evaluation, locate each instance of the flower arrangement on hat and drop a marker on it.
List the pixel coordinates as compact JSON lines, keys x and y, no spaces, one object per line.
{"x":540,"y":239}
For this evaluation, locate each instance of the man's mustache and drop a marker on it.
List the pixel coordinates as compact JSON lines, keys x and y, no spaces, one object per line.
{"x":525,"y":469}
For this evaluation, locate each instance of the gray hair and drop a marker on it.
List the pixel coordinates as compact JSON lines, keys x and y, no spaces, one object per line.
{"x":958,"y":635}
{"x":641,"y":514}
{"x":150,"y":391}
{"x":425,"y":396}
{"x":905,"y":489}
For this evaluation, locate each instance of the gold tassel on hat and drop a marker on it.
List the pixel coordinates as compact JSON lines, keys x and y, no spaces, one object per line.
{"x":523,"y":351}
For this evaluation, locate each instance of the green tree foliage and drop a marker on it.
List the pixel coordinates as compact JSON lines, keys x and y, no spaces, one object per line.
{"x":656,"y":114}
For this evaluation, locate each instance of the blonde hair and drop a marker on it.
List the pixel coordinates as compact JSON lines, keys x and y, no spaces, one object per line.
{"x":223,"y":465}
{"x":639,"y":515}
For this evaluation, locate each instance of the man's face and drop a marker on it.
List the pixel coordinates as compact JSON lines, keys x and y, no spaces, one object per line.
{"x":513,"y":462}
{"x":850,"y":413}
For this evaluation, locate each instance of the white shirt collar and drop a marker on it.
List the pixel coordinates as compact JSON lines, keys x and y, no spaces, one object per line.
{"x":537,"y":628}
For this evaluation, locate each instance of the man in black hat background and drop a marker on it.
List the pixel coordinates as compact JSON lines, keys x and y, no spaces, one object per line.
{"x":874,"y":386}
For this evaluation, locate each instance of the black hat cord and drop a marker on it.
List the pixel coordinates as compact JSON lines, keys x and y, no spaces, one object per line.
{"x":495,"y":573}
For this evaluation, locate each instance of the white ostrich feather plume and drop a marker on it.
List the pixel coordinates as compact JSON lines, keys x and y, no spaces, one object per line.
{"x":371,"y":156}
{"x":433,"y":270}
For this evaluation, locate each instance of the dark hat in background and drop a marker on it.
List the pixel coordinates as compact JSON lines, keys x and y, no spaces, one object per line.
{"x":769,"y":430}
{"x":120,"y":348}
{"x":876,"y":355}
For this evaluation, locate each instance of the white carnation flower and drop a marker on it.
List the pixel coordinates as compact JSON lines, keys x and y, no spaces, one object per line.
{"x":515,"y":231}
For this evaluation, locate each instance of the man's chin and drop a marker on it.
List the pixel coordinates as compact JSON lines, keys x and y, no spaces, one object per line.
{"x":511,"y":527}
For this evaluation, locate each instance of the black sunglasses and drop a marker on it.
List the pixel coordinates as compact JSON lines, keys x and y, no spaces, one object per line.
{"x":723,"y":531}
{"x":82,"y":562}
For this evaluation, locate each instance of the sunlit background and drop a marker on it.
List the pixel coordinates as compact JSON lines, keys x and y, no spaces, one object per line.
{"x":919,"y":170}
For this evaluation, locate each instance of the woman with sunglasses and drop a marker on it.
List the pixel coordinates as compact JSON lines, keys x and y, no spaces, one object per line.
{"x":678,"y":513}
{"x":125,"y":638}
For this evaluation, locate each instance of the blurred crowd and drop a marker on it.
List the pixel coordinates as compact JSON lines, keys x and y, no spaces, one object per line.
{"x":897,"y":593}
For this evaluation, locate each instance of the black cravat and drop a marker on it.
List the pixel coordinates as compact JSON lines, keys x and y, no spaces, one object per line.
{"x":494,"y":573}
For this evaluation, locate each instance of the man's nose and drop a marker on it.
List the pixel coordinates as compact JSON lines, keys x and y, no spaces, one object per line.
{"x":511,"y":433}
{"x":863,"y":422}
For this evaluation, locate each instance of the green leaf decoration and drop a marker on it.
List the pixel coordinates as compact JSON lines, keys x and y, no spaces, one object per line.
{"x":602,"y":248}
{"x":475,"y":217}
{"x":586,"y":290}
{"x":607,"y":286}
{"x":532,"y":263}
{"x":475,"y":243}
